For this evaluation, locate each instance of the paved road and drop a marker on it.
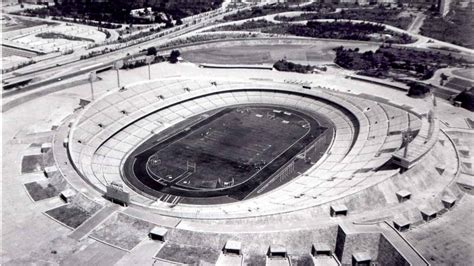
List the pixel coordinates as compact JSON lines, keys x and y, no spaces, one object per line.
{"x":73,"y":62}
{"x":89,"y":225}
{"x":417,"y":23}
{"x":67,"y":170}
{"x":142,"y":254}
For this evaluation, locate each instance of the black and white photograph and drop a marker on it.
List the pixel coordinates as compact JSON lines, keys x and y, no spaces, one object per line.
{"x":237,"y":132}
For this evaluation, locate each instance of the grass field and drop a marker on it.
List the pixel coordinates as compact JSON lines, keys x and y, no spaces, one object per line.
{"x":123,"y":231}
{"x":229,"y":153}
{"x":9,"y":51}
{"x":235,"y":145}
{"x":459,"y":84}
{"x":76,"y":212}
{"x":39,"y":191}
{"x":465,"y":73}
{"x":315,"y":53}
{"x":187,"y":254}
{"x":32,"y":163}
{"x":19,"y":23}
{"x":70,"y":215}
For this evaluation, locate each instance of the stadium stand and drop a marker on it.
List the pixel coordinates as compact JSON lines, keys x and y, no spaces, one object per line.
{"x":367,"y":134}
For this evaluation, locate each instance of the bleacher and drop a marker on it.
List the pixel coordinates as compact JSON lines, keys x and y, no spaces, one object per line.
{"x":367,"y":133}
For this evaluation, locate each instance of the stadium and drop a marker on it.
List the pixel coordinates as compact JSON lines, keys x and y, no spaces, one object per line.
{"x":234,"y":150}
{"x":224,"y":140}
{"x":254,"y":170}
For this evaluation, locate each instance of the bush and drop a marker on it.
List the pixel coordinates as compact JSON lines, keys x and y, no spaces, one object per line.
{"x":151,"y":51}
{"x":283,"y":65}
{"x":466,"y":98}
{"x":174,"y":56}
{"x":406,"y":61}
{"x":418,"y":90}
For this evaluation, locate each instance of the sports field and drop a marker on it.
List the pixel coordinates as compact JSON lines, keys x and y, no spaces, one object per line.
{"x":459,"y":84}
{"x":227,"y":153}
{"x":241,"y":53}
{"x":465,"y":73}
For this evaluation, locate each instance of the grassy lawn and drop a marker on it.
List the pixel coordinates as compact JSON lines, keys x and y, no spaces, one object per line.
{"x":76,"y":212}
{"x":123,"y":231}
{"x":456,"y":27}
{"x":315,"y":53}
{"x":465,"y":73}
{"x":459,"y":84}
{"x":38,"y":191}
{"x":70,"y":215}
{"x":25,"y":23}
{"x":187,"y":254}
{"x":56,"y":35}
{"x":32,"y":163}
{"x":255,"y":260}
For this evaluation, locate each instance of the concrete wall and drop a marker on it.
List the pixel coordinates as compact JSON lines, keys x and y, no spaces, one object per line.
{"x":388,"y":255}
{"x":296,"y":242}
{"x":350,"y":243}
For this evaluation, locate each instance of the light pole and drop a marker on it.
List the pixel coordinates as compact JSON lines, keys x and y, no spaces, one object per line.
{"x":407,"y":137}
{"x":92,"y":77}
{"x":117,"y":66}
{"x":148,"y":60}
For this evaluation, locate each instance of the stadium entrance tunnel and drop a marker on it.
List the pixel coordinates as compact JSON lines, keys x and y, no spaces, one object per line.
{"x":228,"y":154}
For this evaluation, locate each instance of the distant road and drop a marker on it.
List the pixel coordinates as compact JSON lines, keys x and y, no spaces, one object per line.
{"x":73,"y":62}
{"x":416,"y":24}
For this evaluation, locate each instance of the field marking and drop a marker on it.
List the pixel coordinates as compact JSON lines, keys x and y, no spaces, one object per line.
{"x":303,"y":120}
{"x":274,"y":158}
{"x":270,"y":177}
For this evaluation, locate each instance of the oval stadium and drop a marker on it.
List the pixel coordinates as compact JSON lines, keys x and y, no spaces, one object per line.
{"x":178,"y":146}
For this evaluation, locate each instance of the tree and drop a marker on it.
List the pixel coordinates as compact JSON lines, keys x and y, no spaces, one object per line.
{"x":466,"y":98}
{"x":418,"y":89}
{"x":174,"y":56}
{"x":444,"y":77}
{"x":151,"y":51}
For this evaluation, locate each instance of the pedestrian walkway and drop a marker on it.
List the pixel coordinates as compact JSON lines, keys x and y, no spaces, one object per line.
{"x":89,"y":225}
{"x":66,"y":168}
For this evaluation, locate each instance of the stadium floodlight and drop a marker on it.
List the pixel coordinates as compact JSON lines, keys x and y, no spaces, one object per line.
{"x":117,"y":66}
{"x":92,"y":77}
{"x":148,"y":61}
{"x":407,"y":138}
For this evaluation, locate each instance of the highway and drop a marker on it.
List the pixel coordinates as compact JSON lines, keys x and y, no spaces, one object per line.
{"x":70,"y":65}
